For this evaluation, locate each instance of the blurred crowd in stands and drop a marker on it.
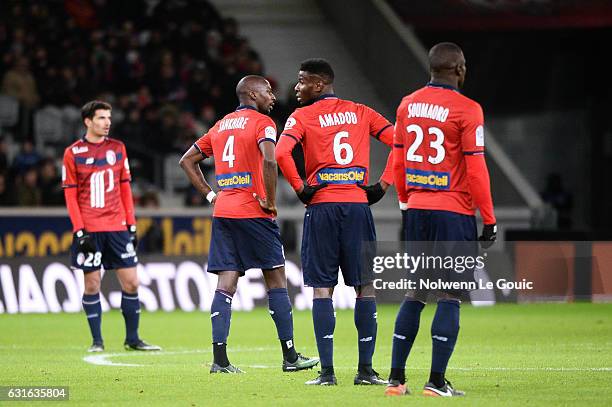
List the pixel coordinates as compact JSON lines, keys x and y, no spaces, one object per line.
{"x":168,"y":67}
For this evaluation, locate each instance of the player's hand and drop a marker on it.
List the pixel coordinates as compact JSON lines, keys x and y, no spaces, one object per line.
{"x":133,"y":236}
{"x":85,"y":242}
{"x":308,"y":192}
{"x":488,"y":237}
{"x":265,"y":205}
{"x":373,"y":192}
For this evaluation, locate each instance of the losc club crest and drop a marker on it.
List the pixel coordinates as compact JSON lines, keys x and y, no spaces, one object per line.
{"x":290,"y":123}
{"x":271,"y":133}
{"x":129,"y":248}
{"x":480,"y":136}
{"x":111,"y":158}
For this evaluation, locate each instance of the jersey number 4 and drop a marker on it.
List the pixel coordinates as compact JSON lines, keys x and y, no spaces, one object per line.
{"x":437,"y":144}
{"x":228,"y":152}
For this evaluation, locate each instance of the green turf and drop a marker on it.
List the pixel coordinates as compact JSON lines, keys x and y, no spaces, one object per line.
{"x":540,"y":354}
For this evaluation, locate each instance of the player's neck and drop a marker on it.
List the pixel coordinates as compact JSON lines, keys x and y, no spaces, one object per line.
{"x":247,"y":106}
{"x":92,"y":138}
{"x":444,"y":81}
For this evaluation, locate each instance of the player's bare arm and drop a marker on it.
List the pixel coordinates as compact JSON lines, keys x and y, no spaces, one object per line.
{"x":270,"y":175}
{"x":189,"y":162}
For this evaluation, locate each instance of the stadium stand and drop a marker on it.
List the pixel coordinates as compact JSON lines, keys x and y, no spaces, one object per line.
{"x":169,"y":69}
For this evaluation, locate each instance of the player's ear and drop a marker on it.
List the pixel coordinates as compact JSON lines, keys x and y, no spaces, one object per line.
{"x":460,"y":69}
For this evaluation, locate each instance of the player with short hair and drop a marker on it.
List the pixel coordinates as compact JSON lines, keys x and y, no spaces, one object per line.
{"x":244,"y":232}
{"x":338,"y":225}
{"x":96,"y":181}
{"x":441,"y":177}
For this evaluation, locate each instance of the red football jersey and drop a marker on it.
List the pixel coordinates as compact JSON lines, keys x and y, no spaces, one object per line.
{"x":335,"y":136}
{"x":436,"y":126}
{"x":234,"y":143}
{"x":96,"y":170}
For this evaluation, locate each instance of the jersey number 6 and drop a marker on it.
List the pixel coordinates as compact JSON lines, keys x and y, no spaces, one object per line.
{"x":436,"y":144}
{"x":340,"y":147}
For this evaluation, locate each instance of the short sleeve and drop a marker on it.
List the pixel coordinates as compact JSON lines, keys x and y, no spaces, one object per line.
{"x":378,"y":123}
{"x":472,"y":131}
{"x":294,"y":127}
{"x":69,"y":175}
{"x":126,"y":175}
{"x":204,"y":143}
{"x":266,"y":130}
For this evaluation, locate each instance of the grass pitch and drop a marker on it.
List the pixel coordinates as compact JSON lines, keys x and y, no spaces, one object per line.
{"x":539,"y":354}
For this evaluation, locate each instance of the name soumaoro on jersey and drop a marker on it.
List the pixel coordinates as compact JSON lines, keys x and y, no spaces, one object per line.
{"x":234,"y":143}
{"x":436,"y":127}
{"x":96,"y":170}
{"x":335,"y":135}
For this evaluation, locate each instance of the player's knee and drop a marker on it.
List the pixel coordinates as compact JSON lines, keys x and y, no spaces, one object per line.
{"x":275,"y":278}
{"x":366,"y":290}
{"x":323,"y":292}
{"x":130,"y":286}
{"x":417,"y":295}
{"x":227,"y":288}
{"x":441,"y":295}
{"x":91,"y":284}
{"x":227,"y":283}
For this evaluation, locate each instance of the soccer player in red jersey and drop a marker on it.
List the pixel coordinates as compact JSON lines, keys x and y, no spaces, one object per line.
{"x":338,"y":225}
{"x":244,"y":232}
{"x":96,"y":180}
{"x":441,"y":178}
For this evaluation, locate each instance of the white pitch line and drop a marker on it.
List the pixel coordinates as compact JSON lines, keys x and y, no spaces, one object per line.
{"x":103,"y":360}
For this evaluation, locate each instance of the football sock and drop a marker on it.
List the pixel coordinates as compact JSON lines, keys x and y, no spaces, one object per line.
{"x":220,"y":354}
{"x":130,"y":308}
{"x":398,"y":374}
{"x":404,"y":334}
{"x":436,"y":378}
{"x":324,"y":322}
{"x":365,"y":322}
{"x":280,"y":310}
{"x":444,"y":331}
{"x":93,"y":310}
{"x":220,"y":316}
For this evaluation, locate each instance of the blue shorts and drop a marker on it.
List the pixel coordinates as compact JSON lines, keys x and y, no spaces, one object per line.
{"x":432,"y":225}
{"x":333,"y":237}
{"x":114,"y":251}
{"x":441,"y":234}
{"x":242,"y":244}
